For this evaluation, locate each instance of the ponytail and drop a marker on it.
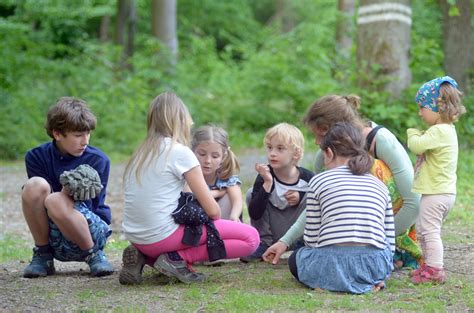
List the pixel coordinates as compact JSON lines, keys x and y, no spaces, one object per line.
{"x":230,"y":165}
{"x":360,"y":164}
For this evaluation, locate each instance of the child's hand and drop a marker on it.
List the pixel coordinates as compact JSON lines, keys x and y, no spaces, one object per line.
{"x":264,"y":171}
{"x":218,"y":193}
{"x":293,"y":197}
{"x":273,"y":254}
{"x":234,"y":218}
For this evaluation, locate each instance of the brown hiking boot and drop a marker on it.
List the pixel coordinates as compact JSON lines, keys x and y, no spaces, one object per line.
{"x":133,"y":262}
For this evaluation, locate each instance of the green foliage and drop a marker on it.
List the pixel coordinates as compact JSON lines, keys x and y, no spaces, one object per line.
{"x":236,"y":68}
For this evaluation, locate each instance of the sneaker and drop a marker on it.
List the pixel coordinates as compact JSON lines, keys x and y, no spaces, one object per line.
{"x":133,"y":262}
{"x":430,"y":274}
{"x":257,"y":255}
{"x":418,"y":270}
{"x":42,"y":264}
{"x":99,"y":264}
{"x":178,"y":269}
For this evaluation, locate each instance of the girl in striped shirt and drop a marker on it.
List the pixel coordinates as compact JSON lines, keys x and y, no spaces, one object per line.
{"x":349,"y":231}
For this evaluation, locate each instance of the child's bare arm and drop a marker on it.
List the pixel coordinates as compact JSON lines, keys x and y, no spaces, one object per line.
{"x":235,"y":196}
{"x":199,"y":188}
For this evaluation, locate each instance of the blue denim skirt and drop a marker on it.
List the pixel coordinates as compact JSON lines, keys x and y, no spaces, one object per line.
{"x":354,"y":269}
{"x":66,"y":250}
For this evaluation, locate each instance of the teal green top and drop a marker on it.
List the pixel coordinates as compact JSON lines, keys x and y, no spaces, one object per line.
{"x":439,"y":146}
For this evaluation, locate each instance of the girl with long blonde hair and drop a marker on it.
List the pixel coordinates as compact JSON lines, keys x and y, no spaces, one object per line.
{"x":153,"y":182}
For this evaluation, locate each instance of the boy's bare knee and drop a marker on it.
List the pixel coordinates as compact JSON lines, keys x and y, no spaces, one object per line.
{"x":58,"y":204}
{"x":36,"y":189}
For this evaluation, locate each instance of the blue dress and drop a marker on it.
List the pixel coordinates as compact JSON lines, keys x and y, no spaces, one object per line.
{"x":220,"y":184}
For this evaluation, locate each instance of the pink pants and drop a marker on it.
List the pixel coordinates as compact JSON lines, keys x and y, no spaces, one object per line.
{"x":239,"y":240}
{"x":433,"y":211}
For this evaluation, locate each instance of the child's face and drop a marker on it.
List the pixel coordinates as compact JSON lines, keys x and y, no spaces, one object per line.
{"x":210,"y":156}
{"x":428,"y":116}
{"x":280,"y":154}
{"x":73,"y":143}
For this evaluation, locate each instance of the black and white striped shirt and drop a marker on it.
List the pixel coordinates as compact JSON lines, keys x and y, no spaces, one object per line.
{"x":346,"y":208}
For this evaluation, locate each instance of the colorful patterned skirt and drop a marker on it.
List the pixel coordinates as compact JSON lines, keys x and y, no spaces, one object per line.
{"x":408,"y":252}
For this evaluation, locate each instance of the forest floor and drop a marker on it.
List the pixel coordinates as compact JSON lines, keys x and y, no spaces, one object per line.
{"x":73,"y":289}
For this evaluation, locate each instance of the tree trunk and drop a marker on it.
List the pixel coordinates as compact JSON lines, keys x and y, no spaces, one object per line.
{"x":383,"y":44}
{"x":457,"y":41}
{"x":104,"y":28}
{"x":122,"y":14}
{"x":345,"y":29}
{"x":287,"y":15}
{"x":131,"y":26}
{"x":164,"y":20}
{"x":284,"y":14}
{"x":125,"y":32}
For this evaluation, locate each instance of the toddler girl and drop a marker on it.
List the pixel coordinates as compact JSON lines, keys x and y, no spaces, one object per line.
{"x":439,"y":102}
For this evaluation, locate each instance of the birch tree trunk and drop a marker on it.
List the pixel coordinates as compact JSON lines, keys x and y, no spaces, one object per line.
{"x":383,"y":43}
{"x":457,"y":41}
{"x":164,"y":20}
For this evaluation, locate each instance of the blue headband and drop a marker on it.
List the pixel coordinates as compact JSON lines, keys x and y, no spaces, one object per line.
{"x":428,"y":94}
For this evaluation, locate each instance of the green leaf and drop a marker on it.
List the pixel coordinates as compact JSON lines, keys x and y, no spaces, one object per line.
{"x":454,"y":11}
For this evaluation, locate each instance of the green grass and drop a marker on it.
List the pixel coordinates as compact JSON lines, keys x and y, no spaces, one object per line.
{"x":116,"y":245}
{"x":13,"y":248}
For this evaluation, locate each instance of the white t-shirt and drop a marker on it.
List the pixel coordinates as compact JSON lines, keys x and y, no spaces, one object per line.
{"x":148,"y":205}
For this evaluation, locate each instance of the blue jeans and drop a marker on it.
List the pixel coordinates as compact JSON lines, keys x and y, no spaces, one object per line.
{"x":65,"y":250}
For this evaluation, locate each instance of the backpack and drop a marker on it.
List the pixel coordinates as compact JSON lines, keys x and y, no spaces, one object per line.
{"x":371,"y":136}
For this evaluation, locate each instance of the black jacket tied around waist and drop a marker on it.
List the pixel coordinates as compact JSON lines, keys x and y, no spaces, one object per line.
{"x":190,"y":214}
